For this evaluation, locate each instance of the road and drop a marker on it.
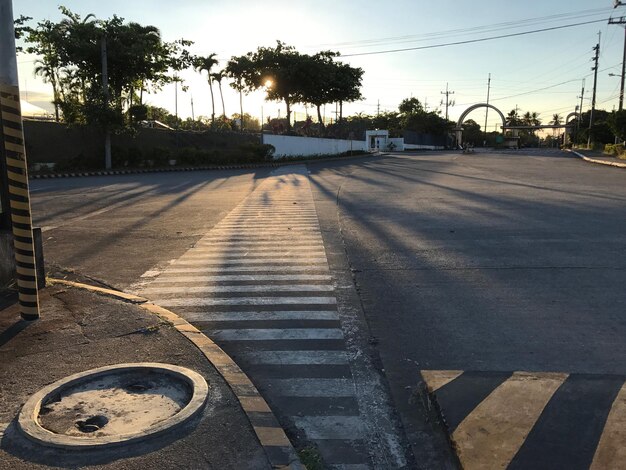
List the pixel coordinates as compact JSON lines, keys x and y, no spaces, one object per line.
{"x":478,"y":267}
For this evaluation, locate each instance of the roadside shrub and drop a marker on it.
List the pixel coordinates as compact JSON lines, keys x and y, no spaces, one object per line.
{"x":161,"y":156}
{"x":134,"y":157}
{"x":118,"y":156}
{"x":79,"y":163}
{"x":614,"y":149}
{"x":259,"y":152}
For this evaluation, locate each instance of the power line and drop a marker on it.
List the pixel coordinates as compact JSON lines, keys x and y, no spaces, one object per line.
{"x":481,"y":28}
{"x":471,"y":41}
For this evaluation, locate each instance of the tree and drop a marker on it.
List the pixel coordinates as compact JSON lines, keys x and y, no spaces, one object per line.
{"x":617,"y":123}
{"x":328,"y":81}
{"x":513,"y":119}
{"x":70,"y":59}
{"x":471,"y":132}
{"x":206,"y":64}
{"x":218,"y":76}
{"x":410,"y":106}
{"x":20,"y":29}
{"x":317,"y":88}
{"x":346,"y":85}
{"x":556,"y":121}
{"x":237,"y":69}
{"x":281,"y":66}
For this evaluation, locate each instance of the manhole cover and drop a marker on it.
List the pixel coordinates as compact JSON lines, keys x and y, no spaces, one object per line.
{"x":113,"y":405}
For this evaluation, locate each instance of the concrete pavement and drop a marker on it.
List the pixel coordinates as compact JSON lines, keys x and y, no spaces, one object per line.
{"x":81,"y":330}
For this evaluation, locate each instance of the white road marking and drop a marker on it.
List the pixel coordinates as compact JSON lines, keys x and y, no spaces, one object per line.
{"x":251,"y":241}
{"x":151,"y":273}
{"x":256,"y":251}
{"x":269,"y":288}
{"x":247,"y":261}
{"x":276,"y":334}
{"x":243,"y":277}
{"x":263,"y":316}
{"x":297,"y":357}
{"x":312,"y":387}
{"x":247,"y":254}
{"x":256,"y":269}
{"x":331,"y":427}
{"x":199,"y":302}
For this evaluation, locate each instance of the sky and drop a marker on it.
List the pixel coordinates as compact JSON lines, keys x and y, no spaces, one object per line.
{"x":539,"y":72}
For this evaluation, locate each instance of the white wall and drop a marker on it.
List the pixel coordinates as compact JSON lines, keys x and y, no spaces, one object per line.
{"x":292,"y":146}
{"x":423,"y":147}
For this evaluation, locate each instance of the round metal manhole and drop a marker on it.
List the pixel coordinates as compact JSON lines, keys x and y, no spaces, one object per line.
{"x":113,"y":405}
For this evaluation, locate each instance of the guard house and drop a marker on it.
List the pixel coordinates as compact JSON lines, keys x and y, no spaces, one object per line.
{"x":376,"y":140}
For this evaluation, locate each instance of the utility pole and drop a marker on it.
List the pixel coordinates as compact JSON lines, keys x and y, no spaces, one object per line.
{"x":487,"y":108}
{"x":176,"y":99}
{"x":447,"y":93}
{"x":595,"y":82}
{"x":193,"y":116}
{"x":14,"y":170}
{"x":621,"y":20}
{"x":580,"y":110}
{"x":105,"y":93}
{"x":378,"y":108}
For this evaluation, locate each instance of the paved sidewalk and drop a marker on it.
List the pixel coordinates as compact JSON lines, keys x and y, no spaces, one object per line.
{"x":80,"y":330}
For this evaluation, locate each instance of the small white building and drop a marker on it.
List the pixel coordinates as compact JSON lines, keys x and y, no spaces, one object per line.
{"x":376,"y":140}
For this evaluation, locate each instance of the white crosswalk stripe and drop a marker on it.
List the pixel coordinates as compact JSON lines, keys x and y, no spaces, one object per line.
{"x":259,"y":284}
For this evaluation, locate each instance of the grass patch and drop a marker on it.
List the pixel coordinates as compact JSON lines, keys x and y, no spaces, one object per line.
{"x":310,"y":458}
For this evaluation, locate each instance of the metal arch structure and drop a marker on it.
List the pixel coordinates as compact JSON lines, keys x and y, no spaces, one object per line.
{"x":568,"y":128}
{"x":459,"y":126}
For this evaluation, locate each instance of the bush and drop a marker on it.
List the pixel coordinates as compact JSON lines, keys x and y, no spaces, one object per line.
{"x":134,"y":157}
{"x":614,"y":149}
{"x":79,"y":163}
{"x":161,"y":156}
{"x":258,"y":152}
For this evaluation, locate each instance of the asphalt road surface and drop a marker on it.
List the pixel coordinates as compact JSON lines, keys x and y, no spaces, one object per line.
{"x":484,"y":263}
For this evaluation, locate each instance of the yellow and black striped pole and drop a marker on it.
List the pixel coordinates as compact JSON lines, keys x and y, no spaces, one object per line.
{"x":15,"y":168}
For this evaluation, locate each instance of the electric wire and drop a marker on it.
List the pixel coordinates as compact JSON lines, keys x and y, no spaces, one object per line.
{"x":472,"y":41}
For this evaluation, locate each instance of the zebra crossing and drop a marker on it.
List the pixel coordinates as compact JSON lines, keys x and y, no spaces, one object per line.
{"x":539,"y":420}
{"x":259,"y":285}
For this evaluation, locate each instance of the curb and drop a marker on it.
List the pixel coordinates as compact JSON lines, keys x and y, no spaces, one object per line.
{"x":247,"y":166}
{"x":594,"y":160}
{"x":278,"y":449}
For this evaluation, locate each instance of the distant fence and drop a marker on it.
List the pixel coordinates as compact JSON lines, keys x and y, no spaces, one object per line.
{"x":287,"y":145}
{"x":423,"y":140}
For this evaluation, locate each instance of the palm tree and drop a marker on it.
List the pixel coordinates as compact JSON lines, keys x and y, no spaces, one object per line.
{"x":206,"y":64}
{"x":217,"y":76}
{"x":512,"y":119}
{"x":48,"y":74}
{"x":535,"y":118}
{"x":236,"y":69}
{"x":556,"y":121}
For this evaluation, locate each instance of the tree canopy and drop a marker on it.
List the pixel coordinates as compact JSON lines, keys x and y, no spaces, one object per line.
{"x":292,"y":77}
{"x":70,"y":59}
